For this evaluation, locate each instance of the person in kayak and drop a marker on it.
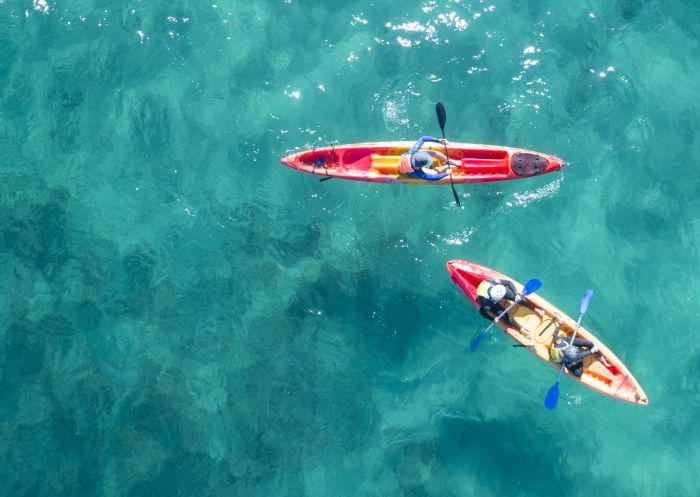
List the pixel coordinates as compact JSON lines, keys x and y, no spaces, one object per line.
{"x":490,"y":294}
{"x":421,"y":163}
{"x":572,"y":355}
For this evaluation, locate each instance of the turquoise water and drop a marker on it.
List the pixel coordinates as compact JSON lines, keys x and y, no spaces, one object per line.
{"x":182,"y":315}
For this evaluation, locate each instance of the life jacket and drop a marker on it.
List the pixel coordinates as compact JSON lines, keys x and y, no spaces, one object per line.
{"x":405,"y":166}
{"x":482,"y":291}
{"x":557,"y":354}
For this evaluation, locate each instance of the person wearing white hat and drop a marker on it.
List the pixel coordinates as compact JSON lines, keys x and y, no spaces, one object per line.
{"x":491,"y":293}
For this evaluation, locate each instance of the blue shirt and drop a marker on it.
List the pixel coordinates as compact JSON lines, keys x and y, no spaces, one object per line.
{"x":416,"y":147}
{"x":420,"y":173}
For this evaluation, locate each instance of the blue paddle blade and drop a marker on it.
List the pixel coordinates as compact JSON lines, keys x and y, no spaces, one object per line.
{"x":531,"y":286}
{"x":550,"y":402}
{"x":586,"y":299}
{"x":475,"y":342}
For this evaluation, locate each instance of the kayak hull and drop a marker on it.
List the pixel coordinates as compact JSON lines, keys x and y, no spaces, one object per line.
{"x":378,"y":162}
{"x":614,"y":380}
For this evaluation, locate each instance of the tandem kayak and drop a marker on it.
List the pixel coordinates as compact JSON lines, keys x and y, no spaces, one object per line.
{"x":614,"y":380}
{"x":378,"y":162}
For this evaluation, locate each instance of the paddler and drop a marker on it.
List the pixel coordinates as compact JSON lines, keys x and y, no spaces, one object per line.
{"x":572,"y":355}
{"x":490,"y":294}
{"x":422,"y":163}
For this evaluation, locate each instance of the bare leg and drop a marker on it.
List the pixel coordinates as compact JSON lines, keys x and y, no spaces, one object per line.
{"x":443,"y":159}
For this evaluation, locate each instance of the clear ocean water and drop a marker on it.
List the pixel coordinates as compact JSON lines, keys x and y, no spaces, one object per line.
{"x":184,"y":316}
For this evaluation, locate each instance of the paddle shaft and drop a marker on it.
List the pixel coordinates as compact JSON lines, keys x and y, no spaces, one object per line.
{"x":501,"y":315}
{"x":563,"y":364}
{"x":449,"y":169}
{"x":442,"y":118}
{"x":529,"y":347}
{"x":475,"y":342}
{"x":550,"y":402}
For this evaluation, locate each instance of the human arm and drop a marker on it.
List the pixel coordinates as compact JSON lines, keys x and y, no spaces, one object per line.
{"x":427,"y":174}
{"x":484,"y":312}
{"x":555,"y":335}
{"x":497,"y":310}
{"x":513,"y":295}
{"x":432,"y":175}
{"x":416,"y":147}
{"x":582,"y":342}
{"x":442,"y":158}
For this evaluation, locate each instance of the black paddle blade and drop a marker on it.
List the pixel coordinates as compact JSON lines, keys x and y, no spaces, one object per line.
{"x":441,"y":115}
{"x":454,"y":193}
{"x":326,"y":178}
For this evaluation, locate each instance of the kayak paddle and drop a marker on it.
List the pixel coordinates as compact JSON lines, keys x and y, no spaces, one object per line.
{"x":530,"y":287}
{"x":550,"y":402}
{"x":442,"y":117}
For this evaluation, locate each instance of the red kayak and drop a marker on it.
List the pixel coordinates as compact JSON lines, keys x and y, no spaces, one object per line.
{"x":378,"y":162}
{"x":603,"y":372}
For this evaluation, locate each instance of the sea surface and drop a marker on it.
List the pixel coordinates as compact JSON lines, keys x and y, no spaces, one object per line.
{"x":184,"y":316}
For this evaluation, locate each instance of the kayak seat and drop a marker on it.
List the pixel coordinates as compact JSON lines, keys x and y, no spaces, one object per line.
{"x":385,"y":164}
